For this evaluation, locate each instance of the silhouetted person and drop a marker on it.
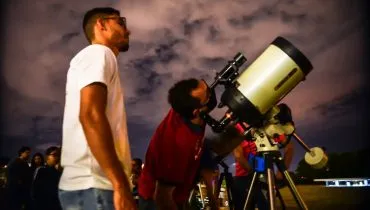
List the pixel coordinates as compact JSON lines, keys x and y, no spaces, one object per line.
{"x":36,"y":161}
{"x":18,"y":180}
{"x":45,"y":183}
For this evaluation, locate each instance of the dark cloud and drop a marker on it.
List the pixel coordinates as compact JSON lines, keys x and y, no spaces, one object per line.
{"x":351,"y":103}
{"x":165,"y":53}
{"x":20,"y":112}
{"x":216,"y":63}
{"x":193,"y":26}
{"x":298,"y":18}
{"x":56,"y":8}
{"x":213,"y":33}
{"x":67,"y":37}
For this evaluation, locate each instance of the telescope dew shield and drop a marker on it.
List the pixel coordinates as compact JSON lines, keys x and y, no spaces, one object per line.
{"x":266,"y":81}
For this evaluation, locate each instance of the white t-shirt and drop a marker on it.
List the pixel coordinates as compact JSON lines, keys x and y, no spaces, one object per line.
{"x":95,"y":63}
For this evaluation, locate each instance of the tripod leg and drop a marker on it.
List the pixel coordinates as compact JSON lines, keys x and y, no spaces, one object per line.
{"x":219,"y":183}
{"x":247,"y":201}
{"x":229,"y":187}
{"x":191,"y":196}
{"x":294,"y":191}
{"x":271,"y":188}
{"x":222,"y":175}
{"x":201,"y":194}
{"x":289,"y":180}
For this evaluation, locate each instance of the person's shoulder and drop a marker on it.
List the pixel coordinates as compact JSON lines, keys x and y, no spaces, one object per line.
{"x":175,"y":117}
{"x":40,"y":169}
{"x":45,"y":171}
{"x":12,"y":162}
{"x":166,"y":126}
{"x":98,"y":48}
{"x":172,"y":120}
{"x":17,"y":161}
{"x":93,"y":52}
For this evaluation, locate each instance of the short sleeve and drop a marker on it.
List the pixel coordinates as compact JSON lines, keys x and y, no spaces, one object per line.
{"x":94,"y":66}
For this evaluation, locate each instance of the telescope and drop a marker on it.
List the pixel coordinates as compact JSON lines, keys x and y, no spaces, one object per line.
{"x":263,"y":84}
{"x":252,"y":99}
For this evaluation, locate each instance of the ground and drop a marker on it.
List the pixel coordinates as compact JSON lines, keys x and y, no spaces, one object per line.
{"x":319,"y":197}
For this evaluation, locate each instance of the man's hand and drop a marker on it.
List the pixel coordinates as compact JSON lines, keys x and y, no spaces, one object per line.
{"x":123,"y":199}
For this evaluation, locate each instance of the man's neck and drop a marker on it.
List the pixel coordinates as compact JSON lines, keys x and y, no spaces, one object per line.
{"x":114,"y":49}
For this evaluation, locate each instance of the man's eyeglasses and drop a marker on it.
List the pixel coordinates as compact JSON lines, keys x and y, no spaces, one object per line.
{"x":121,"y":20}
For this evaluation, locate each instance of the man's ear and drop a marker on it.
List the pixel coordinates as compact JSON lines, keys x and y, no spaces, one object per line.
{"x":100,"y":24}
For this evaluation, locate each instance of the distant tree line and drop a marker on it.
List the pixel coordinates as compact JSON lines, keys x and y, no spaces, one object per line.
{"x":340,"y":165}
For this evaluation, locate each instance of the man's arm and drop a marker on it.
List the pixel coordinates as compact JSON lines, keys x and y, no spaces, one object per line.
{"x":98,"y":133}
{"x":239,"y":157}
{"x":163,"y":196}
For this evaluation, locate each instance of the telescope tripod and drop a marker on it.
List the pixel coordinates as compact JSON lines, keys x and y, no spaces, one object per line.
{"x":271,"y":157}
{"x":229,"y":184}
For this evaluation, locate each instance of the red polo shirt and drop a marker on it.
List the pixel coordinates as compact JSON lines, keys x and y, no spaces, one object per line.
{"x":248,"y":147}
{"x":173,"y":157}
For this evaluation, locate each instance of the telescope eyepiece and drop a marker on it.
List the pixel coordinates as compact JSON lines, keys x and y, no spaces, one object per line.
{"x":239,"y":60}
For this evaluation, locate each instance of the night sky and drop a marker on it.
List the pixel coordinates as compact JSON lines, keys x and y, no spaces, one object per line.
{"x":176,"y":39}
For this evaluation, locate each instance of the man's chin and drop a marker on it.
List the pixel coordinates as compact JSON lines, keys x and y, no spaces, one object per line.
{"x":124,"y":48}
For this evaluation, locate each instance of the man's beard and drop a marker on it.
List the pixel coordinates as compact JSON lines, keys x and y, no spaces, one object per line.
{"x":124,"y":47}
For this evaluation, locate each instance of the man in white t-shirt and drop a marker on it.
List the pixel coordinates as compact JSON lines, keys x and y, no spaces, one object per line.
{"x":95,"y":149}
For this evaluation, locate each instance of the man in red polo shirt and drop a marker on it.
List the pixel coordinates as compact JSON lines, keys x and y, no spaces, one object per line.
{"x":173,"y":156}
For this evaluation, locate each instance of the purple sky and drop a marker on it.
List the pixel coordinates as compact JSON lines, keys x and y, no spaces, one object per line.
{"x":172,"y":40}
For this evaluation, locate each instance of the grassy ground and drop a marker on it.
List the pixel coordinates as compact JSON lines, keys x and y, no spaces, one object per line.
{"x":321,"y":197}
{"x":316,"y":198}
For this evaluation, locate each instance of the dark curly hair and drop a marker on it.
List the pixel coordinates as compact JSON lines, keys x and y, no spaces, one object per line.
{"x":23,"y":149}
{"x":52,"y":149}
{"x":181,"y":100}
{"x":33,"y":163}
